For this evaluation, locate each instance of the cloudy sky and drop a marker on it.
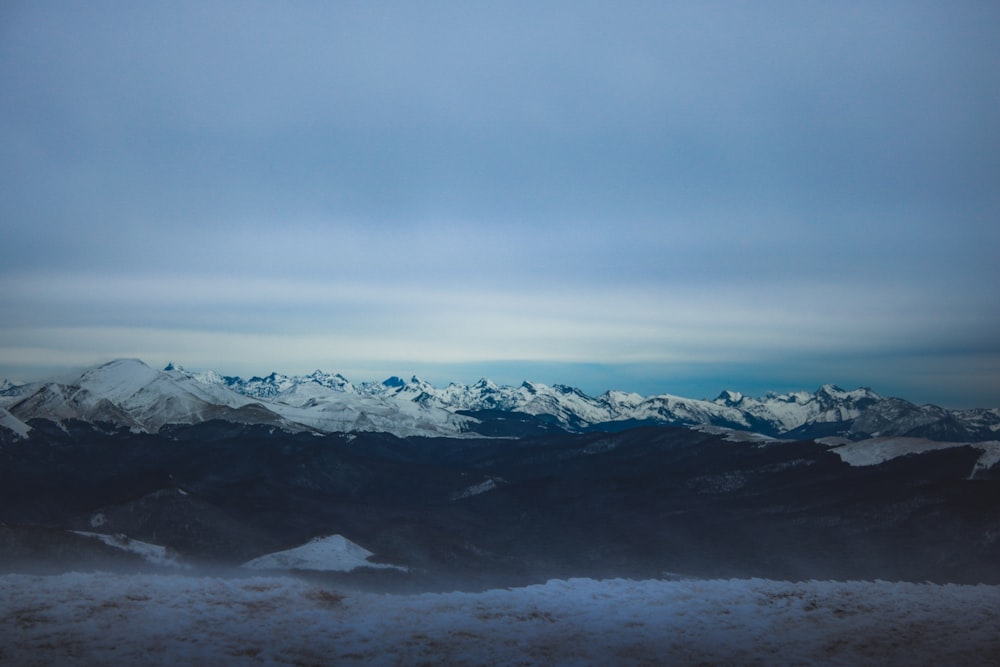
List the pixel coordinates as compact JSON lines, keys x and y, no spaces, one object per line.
{"x":658,"y":197}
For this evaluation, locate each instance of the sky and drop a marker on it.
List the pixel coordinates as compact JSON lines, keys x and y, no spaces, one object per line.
{"x":654,"y":197}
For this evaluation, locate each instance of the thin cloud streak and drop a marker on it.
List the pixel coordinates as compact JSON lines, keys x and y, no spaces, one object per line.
{"x":397,"y":320}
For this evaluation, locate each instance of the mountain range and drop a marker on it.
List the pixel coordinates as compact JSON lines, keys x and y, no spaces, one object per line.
{"x":407,"y":485}
{"x":128,"y":393}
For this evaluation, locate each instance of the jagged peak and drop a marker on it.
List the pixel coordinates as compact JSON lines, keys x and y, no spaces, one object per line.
{"x":730,"y":397}
{"x":273,"y":376}
{"x":484,"y":383}
{"x":322,"y":377}
{"x":211,"y":377}
{"x":568,"y":389}
{"x":621,"y":393}
{"x":837,"y":392}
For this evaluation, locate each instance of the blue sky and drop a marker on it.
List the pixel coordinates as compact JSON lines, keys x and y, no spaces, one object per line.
{"x":659,"y":197}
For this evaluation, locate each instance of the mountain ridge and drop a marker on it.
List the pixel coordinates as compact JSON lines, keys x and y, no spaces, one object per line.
{"x":129,"y":393}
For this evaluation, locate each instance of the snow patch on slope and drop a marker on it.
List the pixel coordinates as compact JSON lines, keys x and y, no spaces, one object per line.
{"x":989,"y":458}
{"x":14,"y":424}
{"x":879,"y":450}
{"x":332,"y":553}
{"x":476,"y":489}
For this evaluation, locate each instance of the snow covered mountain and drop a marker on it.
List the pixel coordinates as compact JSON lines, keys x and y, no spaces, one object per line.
{"x":129,"y":393}
{"x":830,"y":410}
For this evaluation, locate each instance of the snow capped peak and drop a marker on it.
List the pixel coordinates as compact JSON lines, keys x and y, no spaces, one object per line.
{"x":117,"y":379}
{"x":485,"y":384}
{"x":397,"y":386}
{"x":832,"y":391}
{"x":796,"y":397}
{"x":7,"y":385}
{"x":566,"y":389}
{"x":331,"y":553}
{"x":206,"y":377}
{"x":730,"y":398}
{"x":334,"y":381}
{"x":620,"y":402}
{"x":263,"y":387}
{"x":209,"y":377}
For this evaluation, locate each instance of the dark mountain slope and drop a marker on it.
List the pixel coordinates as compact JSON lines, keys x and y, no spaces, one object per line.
{"x":638,"y":503}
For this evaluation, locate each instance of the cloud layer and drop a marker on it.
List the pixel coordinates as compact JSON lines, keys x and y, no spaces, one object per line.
{"x":769,"y":195}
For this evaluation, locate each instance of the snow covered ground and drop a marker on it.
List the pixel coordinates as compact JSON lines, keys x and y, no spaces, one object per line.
{"x":106,"y":619}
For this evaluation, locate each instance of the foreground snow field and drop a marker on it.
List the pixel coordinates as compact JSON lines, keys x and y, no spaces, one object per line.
{"x":106,"y":619}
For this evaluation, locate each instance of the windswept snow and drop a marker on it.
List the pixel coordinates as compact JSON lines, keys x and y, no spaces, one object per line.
{"x":154,"y":554}
{"x":332,"y":553}
{"x":89,"y":619}
{"x":476,"y":489}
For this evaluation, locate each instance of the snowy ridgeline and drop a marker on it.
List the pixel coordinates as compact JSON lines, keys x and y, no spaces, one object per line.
{"x":130,"y":394}
{"x":88,"y":619}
